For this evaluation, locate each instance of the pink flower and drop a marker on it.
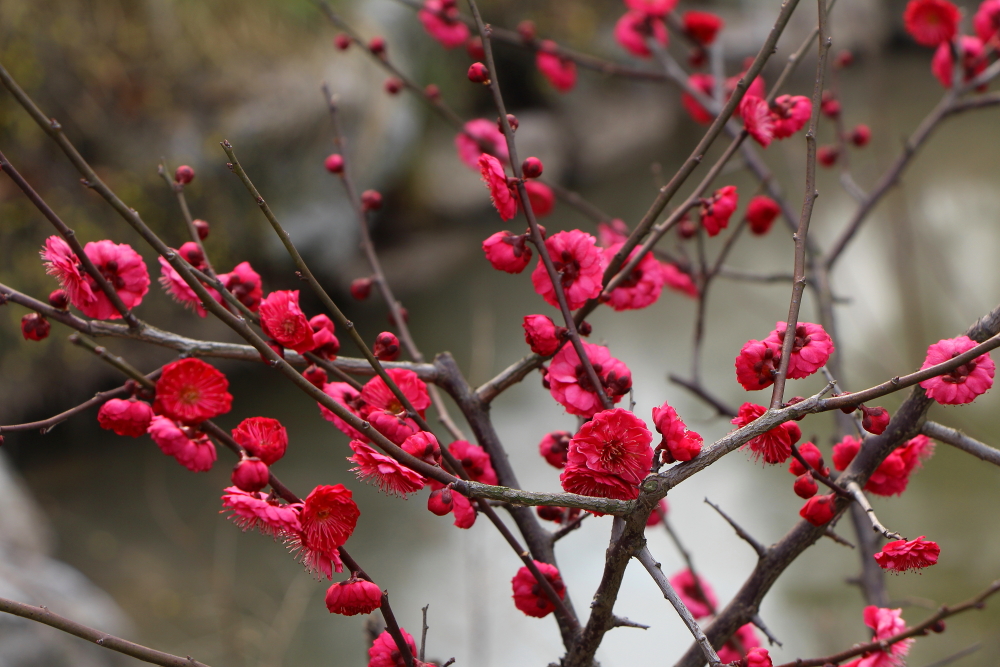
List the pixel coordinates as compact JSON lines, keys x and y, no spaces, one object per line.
{"x":819,"y":510}
{"x":717,"y":209}
{"x":61,"y":262}
{"x":262,"y":437}
{"x":900,"y":555}
{"x":282,"y":319}
{"x":678,"y":443}
{"x":393,"y":425}
{"x":540,"y":196}
{"x":611,"y":233}
{"x":325,"y":343}
{"x":658,"y":513}
{"x":350,"y":398}
{"x":702,"y":26}
{"x":875,"y":420}
{"x":761,"y":213}
{"x":706,"y":84}
{"x":886,"y":623}
{"x":813,"y":457}
{"x":180,"y":291}
{"x":652,"y":7}
{"x":559,"y":70}
{"x":120,"y":265}
{"x":774,"y":446}
{"x":250,"y":474}
{"x":643,"y":285}
{"x":987,"y":20}
{"x":700,"y":603}
{"x":193,"y":451}
{"x":634,"y":27}
{"x":464,"y":511}
{"x":125,"y":417}
{"x":614,"y":442}
{"x":507,"y":252}
{"x":570,"y":386}
{"x":581,"y":265}
{"x":757,"y":119}
{"x":245,"y":284}
{"x":966,"y":382}
{"x":554,"y":448}
{"x":328,"y":517}
{"x":502,"y":195}
{"x":250,"y":510}
{"x":390,"y":475}
{"x":354,"y":596}
{"x":475,"y":460}
{"x":529,"y":596}
{"x":973,"y":60}
{"x":931,"y":22}
{"x":486,"y":132}
{"x":587,"y":482}
{"x":191,"y":391}
{"x":385,"y":653}
{"x":441,"y":22}
{"x":748,"y":641}
{"x":677,"y":280}
{"x":424,"y":446}
{"x":542,"y":335}
{"x":756,"y":364}
{"x":377,"y":395}
{"x":790,"y":114}
{"x":810,"y":351}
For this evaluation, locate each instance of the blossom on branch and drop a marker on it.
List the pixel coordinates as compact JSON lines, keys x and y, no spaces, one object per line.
{"x":717,"y":209}
{"x":819,"y":510}
{"x":192,"y":450}
{"x":974,"y":60}
{"x":528,"y":594}
{"x":986,"y":22}
{"x":262,"y":437}
{"x":744,"y":644}
{"x":504,"y":197}
{"x":385,"y":653}
{"x":614,"y":442}
{"x":757,"y":364}
{"x":245,"y":284}
{"x":191,"y":391}
{"x":678,"y":280}
{"x":702,"y":26}
{"x":931,"y":22}
{"x":474,"y":460}
{"x":476,"y":133}
{"x":325,"y":343}
{"x":761,"y":213}
{"x":678,"y":443}
{"x":282,"y":319}
{"x":554,"y":448}
{"x":902,"y":555}
{"x":353,"y":596}
{"x":810,"y":351}
{"x":559,"y":70}
{"x":696,"y":594}
{"x":886,"y":623}
{"x":441,"y":22}
{"x":634,"y":27}
{"x":966,"y":382}
{"x":507,"y":252}
{"x":642,"y":287}
{"x":387,"y":473}
{"x":253,"y":511}
{"x":580,"y":264}
{"x":542,"y":335}
{"x":757,"y":119}
{"x":181,"y":292}
{"x":125,"y":417}
{"x":120,"y":265}
{"x":570,"y":384}
{"x":775,"y":445}
{"x":350,"y":398}
{"x":540,"y":196}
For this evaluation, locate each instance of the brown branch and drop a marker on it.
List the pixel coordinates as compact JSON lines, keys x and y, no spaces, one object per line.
{"x":747,"y":537}
{"x":103,"y":639}
{"x":859,"y":497}
{"x":829,"y":532}
{"x":510,"y":496}
{"x":959,"y":440}
{"x":178,"y":190}
{"x":723,"y":409}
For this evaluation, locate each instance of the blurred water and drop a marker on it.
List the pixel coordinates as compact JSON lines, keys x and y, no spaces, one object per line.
{"x":147,"y":531}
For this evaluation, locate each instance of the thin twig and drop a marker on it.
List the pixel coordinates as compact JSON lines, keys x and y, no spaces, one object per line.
{"x":859,"y":497}
{"x":959,"y":440}
{"x":178,"y":190}
{"x":423,"y":632}
{"x":747,"y":537}
{"x":829,"y":532}
{"x":759,"y":622}
{"x":954,"y":657}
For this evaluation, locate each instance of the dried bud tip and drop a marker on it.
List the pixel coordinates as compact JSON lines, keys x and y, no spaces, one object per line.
{"x":531,"y":167}
{"x":371,"y":200}
{"x":478,"y":73}
{"x":59,"y":299}
{"x":202,"y":228}
{"x":393,"y":85}
{"x":334,"y":163}
{"x":361,"y":288}
{"x":342,"y":42}
{"x":377,"y":46}
{"x":183,"y":175}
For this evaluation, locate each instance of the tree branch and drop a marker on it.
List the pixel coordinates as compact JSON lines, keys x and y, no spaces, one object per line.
{"x":959,"y":440}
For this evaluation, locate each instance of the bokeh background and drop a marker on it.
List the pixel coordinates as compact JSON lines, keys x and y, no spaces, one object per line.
{"x":113,"y":533}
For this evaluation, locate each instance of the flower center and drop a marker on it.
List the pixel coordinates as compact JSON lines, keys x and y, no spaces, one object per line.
{"x":190,"y":396}
{"x":960,"y":374}
{"x":568,"y":268}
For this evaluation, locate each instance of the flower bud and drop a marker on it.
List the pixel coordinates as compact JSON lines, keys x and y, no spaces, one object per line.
{"x":818,"y":510}
{"x":526,"y":29}
{"x":830,"y":106}
{"x":686,"y":229}
{"x":250,"y":475}
{"x":386,"y":347}
{"x":531,"y":167}
{"x":202,"y":228}
{"x":334,"y":163}
{"x":844,"y":59}
{"x":361,"y":288}
{"x":59,"y":299}
{"x":432,"y":92}
{"x":938,"y":627}
{"x":371,"y":200}
{"x":316,"y":375}
{"x":874,"y":420}
{"x":861,"y":135}
{"x":584,"y":329}
{"x":805,"y":486}
{"x":34,"y":326}
{"x":342,"y":42}
{"x":827,"y":155}
{"x":184,"y":174}
{"x":474,"y":47}
{"x":478,"y":73}
{"x":403,"y":312}
{"x":377,"y":46}
{"x":192,"y":254}
{"x":511,"y":120}
{"x":440,"y":502}
{"x":393,"y":85}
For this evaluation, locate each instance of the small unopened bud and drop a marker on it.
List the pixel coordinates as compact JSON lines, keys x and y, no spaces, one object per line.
{"x":250,"y":475}
{"x":386,"y":347}
{"x":404,"y":313}
{"x":511,"y":120}
{"x":192,"y":254}
{"x":334,"y":163}
{"x":377,"y":45}
{"x":371,"y":200}
{"x":202,"y":228}
{"x":805,"y":486}
{"x":393,"y":85}
{"x":584,"y":329}
{"x":697,"y":57}
{"x":361,"y":288}
{"x":861,"y":135}
{"x":830,"y":105}
{"x":34,"y":326}
{"x":938,"y":627}
{"x":526,"y":29}
{"x":184,"y":174}
{"x":432,"y":92}
{"x":316,"y":375}
{"x":474,"y":47}
{"x":342,"y":42}
{"x":844,"y":59}
{"x":440,"y":502}
{"x":686,"y":229}
{"x":478,"y":73}
{"x":531,"y":167}
{"x":827,"y":155}
{"x":59,"y":299}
